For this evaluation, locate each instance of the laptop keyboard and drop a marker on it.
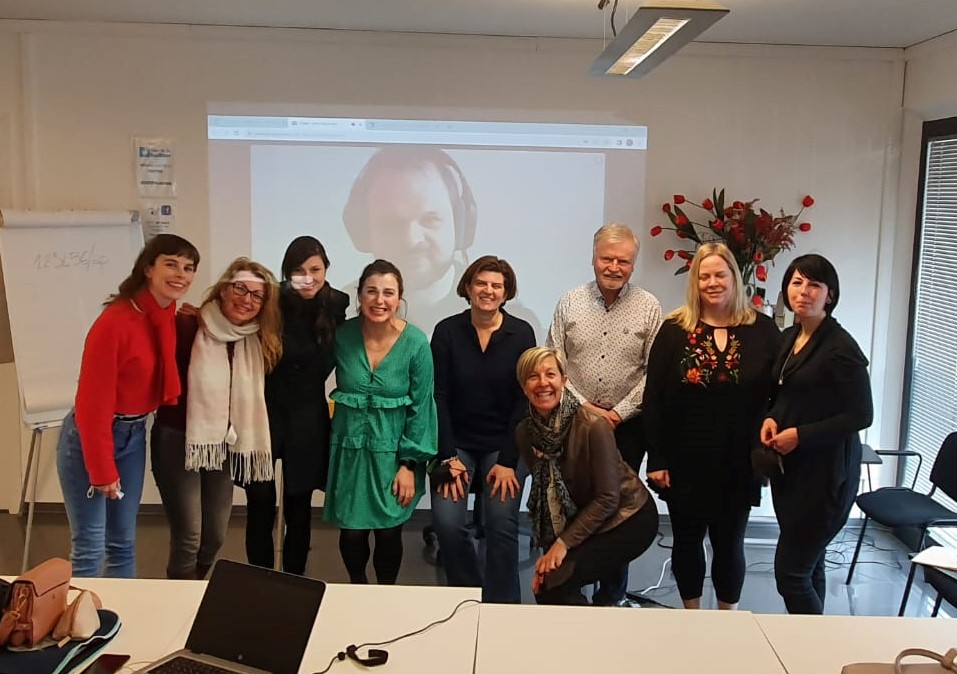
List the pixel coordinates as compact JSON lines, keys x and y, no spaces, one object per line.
{"x":181,"y":665}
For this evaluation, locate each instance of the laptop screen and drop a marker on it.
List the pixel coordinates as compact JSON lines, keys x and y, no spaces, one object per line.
{"x":256,"y":617}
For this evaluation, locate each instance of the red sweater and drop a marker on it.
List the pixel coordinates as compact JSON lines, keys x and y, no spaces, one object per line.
{"x":121,"y":373}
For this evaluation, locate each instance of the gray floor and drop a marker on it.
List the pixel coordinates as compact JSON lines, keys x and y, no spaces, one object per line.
{"x":876,"y":590}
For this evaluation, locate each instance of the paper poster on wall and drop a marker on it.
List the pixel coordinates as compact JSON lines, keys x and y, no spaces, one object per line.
{"x":157,"y":218}
{"x":155,"y":167}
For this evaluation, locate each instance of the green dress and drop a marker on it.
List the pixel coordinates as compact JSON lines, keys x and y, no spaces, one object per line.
{"x":381,"y":416}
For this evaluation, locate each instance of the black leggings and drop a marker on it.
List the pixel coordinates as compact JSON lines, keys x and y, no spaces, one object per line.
{"x":725,"y":526}
{"x":261,"y":518}
{"x":354,"y":548}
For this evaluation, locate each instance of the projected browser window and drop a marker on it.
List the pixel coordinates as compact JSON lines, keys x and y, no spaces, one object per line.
{"x":428,"y":195}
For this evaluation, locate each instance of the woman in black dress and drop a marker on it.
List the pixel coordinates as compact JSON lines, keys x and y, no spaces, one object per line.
{"x":706,"y":393}
{"x":297,"y":406}
{"x":822,"y":399}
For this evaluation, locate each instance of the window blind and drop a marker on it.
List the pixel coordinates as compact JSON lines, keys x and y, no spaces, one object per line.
{"x":931,"y":397}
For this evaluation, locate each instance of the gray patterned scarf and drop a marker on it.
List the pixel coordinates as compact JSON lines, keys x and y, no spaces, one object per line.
{"x":550,"y":506}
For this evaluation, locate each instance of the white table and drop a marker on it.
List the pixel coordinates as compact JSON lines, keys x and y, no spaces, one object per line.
{"x":824,"y":644}
{"x":157,"y":616}
{"x":354,"y":614}
{"x":592,"y":639}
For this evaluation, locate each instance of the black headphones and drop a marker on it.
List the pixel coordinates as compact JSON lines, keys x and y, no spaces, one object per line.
{"x":355,"y":215}
{"x":376,"y":656}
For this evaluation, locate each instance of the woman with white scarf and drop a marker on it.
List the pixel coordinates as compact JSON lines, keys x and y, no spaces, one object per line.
{"x":218,"y":434}
{"x":590,"y":513}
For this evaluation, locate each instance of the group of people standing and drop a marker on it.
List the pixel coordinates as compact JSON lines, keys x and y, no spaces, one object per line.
{"x":714,"y":394}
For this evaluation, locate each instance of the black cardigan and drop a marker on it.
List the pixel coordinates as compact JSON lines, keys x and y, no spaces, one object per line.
{"x":703,"y":433}
{"x":825,"y":392}
{"x":296,"y":389}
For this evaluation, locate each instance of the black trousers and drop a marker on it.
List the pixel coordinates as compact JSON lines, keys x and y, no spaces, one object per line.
{"x":261,"y":518}
{"x":629,"y":436}
{"x":725,"y":525}
{"x":808,"y":522}
{"x":600,"y":555}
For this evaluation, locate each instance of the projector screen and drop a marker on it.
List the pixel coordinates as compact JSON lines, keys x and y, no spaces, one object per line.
{"x":430,"y":196}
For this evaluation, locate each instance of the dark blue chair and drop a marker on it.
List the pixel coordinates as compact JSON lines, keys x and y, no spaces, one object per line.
{"x":945,"y":584}
{"x":904,"y":507}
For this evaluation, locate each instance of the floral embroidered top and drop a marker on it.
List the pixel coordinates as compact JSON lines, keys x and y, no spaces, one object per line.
{"x":704,"y":364}
{"x":704,"y":406}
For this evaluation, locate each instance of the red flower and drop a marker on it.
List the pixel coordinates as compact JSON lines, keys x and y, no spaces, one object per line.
{"x":718,"y":225}
{"x":681,"y":220}
{"x":681,"y":235}
{"x":808,"y":201}
{"x":707,"y":204}
{"x":737,"y":205}
{"x":679,"y":199}
{"x":757,"y":301}
{"x":693,"y":375}
{"x":666,"y":207}
{"x":656,"y":230}
{"x":669,"y":254}
{"x":688,"y":264}
{"x":684,"y":255}
{"x":761,"y":273}
{"x":805,"y":226}
{"x":758,"y":256}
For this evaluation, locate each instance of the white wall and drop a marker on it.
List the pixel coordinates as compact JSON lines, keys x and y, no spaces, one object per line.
{"x":768,"y":122}
{"x":930,"y":93}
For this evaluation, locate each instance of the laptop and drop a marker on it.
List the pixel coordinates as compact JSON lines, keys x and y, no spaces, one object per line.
{"x":251,"y":621}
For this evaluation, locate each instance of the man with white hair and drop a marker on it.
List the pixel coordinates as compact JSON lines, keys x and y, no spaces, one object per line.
{"x":605,"y":329}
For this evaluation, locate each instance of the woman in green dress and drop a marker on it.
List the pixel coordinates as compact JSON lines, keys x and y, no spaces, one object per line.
{"x":384,"y":426}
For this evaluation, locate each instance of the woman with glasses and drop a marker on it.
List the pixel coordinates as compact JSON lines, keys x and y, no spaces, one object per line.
{"x":298,"y":410}
{"x":218,"y":433}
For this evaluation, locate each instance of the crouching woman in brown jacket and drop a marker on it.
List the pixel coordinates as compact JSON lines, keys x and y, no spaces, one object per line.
{"x":590,"y":513}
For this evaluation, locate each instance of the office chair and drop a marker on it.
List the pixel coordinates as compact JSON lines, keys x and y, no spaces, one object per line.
{"x":945,"y":585}
{"x":904,"y":507}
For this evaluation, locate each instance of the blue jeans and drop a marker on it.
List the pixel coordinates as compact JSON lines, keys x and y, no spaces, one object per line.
{"x":459,"y":556}
{"x":102,"y":527}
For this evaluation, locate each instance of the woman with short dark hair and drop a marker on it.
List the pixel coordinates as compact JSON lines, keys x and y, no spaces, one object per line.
{"x":822,"y":399}
{"x":479,"y":404}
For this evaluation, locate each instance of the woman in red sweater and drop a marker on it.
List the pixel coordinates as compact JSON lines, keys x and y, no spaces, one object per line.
{"x":128,"y":370}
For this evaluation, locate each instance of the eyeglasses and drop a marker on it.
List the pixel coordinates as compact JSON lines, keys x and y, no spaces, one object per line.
{"x":257,"y":296}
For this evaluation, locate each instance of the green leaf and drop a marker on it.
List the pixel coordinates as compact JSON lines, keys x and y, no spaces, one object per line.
{"x":719,"y":203}
{"x":682,"y":270}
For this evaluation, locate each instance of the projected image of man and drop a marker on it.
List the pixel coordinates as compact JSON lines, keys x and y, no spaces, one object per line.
{"x":412,"y":205}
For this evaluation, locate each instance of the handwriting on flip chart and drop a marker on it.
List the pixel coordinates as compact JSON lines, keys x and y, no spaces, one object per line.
{"x":88,"y":259}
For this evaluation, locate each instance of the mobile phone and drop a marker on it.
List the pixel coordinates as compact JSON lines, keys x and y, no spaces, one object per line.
{"x":108,"y":663}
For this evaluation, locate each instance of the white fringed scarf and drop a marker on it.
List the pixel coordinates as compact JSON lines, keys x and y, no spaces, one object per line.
{"x":226,"y":407}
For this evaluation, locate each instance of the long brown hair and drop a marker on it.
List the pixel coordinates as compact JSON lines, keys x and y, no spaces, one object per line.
{"x":161,"y":244}
{"x":270,"y":323}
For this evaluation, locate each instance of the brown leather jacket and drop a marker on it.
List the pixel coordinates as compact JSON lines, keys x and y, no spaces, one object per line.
{"x":603,"y":487}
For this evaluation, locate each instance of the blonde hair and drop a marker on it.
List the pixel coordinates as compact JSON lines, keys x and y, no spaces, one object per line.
{"x":534,"y":357}
{"x":269,"y":318}
{"x":614,"y":232}
{"x":687,"y":316}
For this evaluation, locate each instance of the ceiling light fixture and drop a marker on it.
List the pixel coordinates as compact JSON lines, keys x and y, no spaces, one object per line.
{"x":656,"y":31}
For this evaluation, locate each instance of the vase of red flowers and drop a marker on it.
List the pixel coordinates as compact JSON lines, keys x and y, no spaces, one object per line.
{"x":754,"y":235}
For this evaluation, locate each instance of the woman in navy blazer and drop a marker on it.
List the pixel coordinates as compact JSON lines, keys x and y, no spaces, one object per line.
{"x":822,"y":398}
